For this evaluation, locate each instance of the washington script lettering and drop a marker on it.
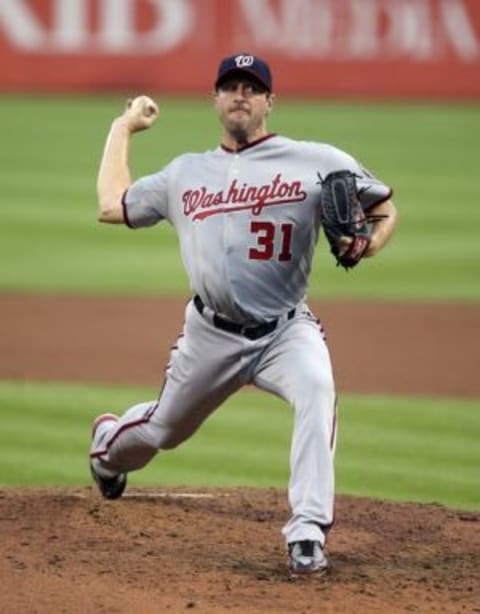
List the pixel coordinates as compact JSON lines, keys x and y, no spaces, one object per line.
{"x":200,"y":203}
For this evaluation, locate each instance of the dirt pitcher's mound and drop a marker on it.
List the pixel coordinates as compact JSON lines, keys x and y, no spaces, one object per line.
{"x":221,"y":550}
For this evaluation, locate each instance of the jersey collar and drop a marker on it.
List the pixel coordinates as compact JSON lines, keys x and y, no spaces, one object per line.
{"x":248,"y":145}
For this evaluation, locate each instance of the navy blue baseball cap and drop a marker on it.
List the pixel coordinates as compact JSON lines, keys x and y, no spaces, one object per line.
{"x":247,"y":64}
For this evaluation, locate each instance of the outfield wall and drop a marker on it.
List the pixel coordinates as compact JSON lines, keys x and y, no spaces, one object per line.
{"x":332,"y":48}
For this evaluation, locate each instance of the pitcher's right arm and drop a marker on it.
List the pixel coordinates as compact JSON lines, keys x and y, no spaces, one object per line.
{"x":114,"y":173}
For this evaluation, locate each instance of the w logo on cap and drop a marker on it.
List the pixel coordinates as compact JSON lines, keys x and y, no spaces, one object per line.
{"x":244,"y":60}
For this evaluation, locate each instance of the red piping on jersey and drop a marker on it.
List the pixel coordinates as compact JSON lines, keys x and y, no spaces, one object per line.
{"x":334,"y":424}
{"x":124,"y":207}
{"x":248,"y":145}
{"x":129,"y":425}
{"x":124,"y":427}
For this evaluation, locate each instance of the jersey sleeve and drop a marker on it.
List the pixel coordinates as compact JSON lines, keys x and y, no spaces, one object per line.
{"x":145,"y":203}
{"x":371,"y":190}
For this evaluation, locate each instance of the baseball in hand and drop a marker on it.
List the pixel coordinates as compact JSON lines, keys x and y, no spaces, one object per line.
{"x":141,"y":113}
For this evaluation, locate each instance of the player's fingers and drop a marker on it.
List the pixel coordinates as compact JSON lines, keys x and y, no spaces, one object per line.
{"x":149,"y":105}
{"x":150,"y":108}
{"x":142,"y":112}
{"x":343,"y":244}
{"x":143,"y":105}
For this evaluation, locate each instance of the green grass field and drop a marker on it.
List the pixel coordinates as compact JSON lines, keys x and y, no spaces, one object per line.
{"x":50,"y":240}
{"x":398,"y":448}
{"x":407,"y":450}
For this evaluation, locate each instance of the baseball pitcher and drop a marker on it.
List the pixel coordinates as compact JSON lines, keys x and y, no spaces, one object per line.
{"x":248,"y":216}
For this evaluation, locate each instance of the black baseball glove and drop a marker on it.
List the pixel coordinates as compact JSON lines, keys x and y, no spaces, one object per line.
{"x":343,"y":216}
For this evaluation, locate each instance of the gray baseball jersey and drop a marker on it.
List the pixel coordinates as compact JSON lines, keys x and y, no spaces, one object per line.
{"x":247,"y":221}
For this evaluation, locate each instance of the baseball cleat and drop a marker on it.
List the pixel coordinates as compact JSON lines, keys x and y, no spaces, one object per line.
{"x":111,"y":487}
{"x":306,"y":557}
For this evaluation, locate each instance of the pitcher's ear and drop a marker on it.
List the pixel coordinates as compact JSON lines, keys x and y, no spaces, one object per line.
{"x":270,"y":99}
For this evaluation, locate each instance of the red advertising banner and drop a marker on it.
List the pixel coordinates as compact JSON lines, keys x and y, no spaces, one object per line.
{"x":321,"y":48}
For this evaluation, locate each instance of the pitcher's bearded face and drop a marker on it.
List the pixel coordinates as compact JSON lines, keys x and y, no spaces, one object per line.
{"x":242,"y":106}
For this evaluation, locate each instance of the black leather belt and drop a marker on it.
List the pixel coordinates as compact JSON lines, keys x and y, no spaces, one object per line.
{"x":251,"y":332}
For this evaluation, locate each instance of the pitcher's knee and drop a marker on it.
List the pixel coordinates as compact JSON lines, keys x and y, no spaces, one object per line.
{"x":172,"y":436}
{"x":130,"y":458}
{"x":170,"y":444}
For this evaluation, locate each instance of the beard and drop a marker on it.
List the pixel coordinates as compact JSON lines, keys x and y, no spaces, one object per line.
{"x":241,"y":129}
{"x":239,"y":133}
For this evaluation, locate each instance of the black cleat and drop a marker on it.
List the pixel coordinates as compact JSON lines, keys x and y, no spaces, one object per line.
{"x":111,"y":488}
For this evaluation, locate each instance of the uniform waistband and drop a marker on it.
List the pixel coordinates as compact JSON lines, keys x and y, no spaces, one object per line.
{"x":251,"y":332}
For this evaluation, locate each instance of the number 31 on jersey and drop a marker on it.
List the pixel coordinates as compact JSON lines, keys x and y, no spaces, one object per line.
{"x":266,"y":233}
